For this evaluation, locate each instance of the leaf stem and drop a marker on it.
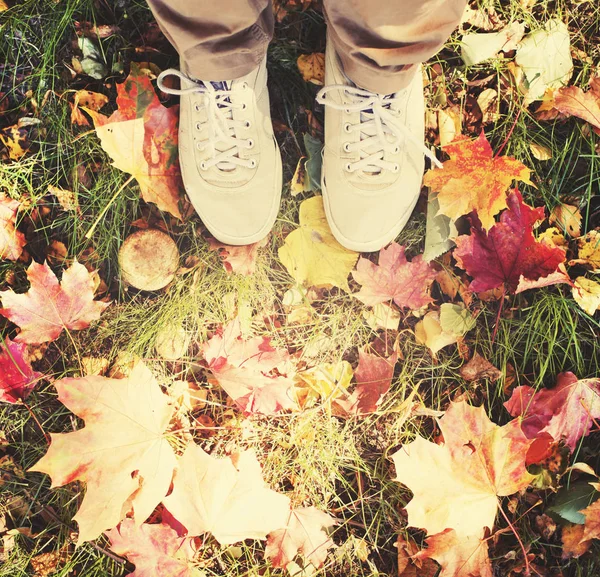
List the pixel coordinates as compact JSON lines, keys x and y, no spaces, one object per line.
{"x":37,"y":422}
{"x":512,"y":528}
{"x":499,"y":313}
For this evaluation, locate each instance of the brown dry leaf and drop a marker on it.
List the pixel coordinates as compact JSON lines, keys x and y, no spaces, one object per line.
{"x":573,"y":101}
{"x":46,"y":564}
{"x":66,"y":198}
{"x":86,"y":99}
{"x":238,"y":259}
{"x":479,"y":368}
{"x":57,"y":252}
{"x":488,"y":103}
{"x":148,"y":259}
{"x":16,"y":140}
{"x":568,"y":218}
{"x":450,"y":124}
{"x":312,"y":67}
{"x":573,"y":543}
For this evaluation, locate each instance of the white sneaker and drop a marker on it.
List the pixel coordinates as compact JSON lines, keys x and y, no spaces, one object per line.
{"x":373,"y":158}
{"x":230,"y":161}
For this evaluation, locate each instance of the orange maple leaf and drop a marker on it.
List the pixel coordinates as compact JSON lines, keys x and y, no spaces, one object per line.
{"x":475,"y":179}
{"x":585,"y":105}
{"x":456,"y":485}
{"x":121,"y":454}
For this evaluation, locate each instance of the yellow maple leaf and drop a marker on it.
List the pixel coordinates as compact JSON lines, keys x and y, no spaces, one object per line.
{"x":475,"y":179}
{"x":586,"y":293}
{"x":311,"y":254}
{"x":312,"y":67}
{"x":589,"y":251}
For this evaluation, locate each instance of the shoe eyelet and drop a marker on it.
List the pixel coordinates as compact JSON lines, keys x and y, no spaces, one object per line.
{"x":247,"y":124}
{"x":197,"y":107}
{"x":348,"y":167}
{"x":252,"y":163}
{"x":203,"y":166}
{"x":347,"y":110}
{"x":396,"y":168}
{"x":396,"y":150}
{"x":198,"y":126}
{"x":244,"y":106}
{"x":199,"y":146}
{"x":346,"y":147}
{"x":249,"y":144}
{"x":347,"y":128}
{"x":244,"y":85}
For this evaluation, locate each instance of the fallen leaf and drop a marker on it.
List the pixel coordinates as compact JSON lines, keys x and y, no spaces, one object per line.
{"x":476,"y":47}
{"x":66,"y":198}
{"x":148,"y":260}
{"x":429,"y":332}
{"x":327,"y":381}
{"x":540,"y":152}
{"x":122,"y":454}
{"x":475,"y":179}
{"x":405,"y":282}
{"x":488,"y":103}
{"x":458,"y":555}
{"x":572,"y":541}
{"x":544,"y":58}
{"x":312,"y":67}
{"x":592,"y":521}
{"x":155,"y":550}
{"x":244,"y":368}
{"x":141,"y":139}
{"x":450,"y":125}
{"x":566,"y":412}
{"x":17,"y":378}
{"x":16,"y":140}
{"x":586,"y":293}
{"x":479,"y":368}
{"x":589,"y":251}
{"x":456,"y":485}
{"x":303,"y":535}
{"x":172,"y":341}
{"x":311,"y":254}
{"x":86,"y":99}
{"x":12,"y":240}
{"x":508,"y":251}
{"x":49,"y":307}
{"x":456,"y":319}
{"x":559,"y":276}
{"x":568,"y":217}
{"x":382,"y":316}
{"x":226,"y":497}
{"x":573,"y":101}
{"x":373,"y":377}
{"x":238,"y":259}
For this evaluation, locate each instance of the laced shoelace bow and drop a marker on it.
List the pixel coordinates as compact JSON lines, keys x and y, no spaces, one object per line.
{"x":223,"y":145}
{"x":381,"y":128}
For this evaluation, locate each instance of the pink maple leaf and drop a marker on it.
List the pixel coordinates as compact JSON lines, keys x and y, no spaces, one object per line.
{"x":17,"y":378}
{"x":238,"y":259}
{"x":250,"y":370}
{"x":394,"y":278}
{"x":153,"y":549}
{"x":566,"y":412}
{"x":508,"y":253}
{"x":48,"y":306}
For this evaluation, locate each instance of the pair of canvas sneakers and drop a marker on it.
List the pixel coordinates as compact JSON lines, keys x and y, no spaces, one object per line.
{"x":231,"y":166}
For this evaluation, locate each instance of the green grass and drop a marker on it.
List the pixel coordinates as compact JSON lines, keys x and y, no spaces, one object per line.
{"x":337,"y":465}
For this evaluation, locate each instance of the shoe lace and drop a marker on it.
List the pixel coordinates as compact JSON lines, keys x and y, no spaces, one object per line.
{"x":222,"y":143}
{"x":381,"y":127}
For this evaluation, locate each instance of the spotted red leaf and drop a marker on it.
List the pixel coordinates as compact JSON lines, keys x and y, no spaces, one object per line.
{"x":17,"y":378}
{"x":508,"y":252}
{"x":394,"y":278}
{"x":48,"y":306}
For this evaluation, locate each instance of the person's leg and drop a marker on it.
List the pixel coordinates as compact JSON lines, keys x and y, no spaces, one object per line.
{"x":373,"y":159}
{"x":229,"y":158}
{"x":216,"y":39}
{"x":381,"y":42}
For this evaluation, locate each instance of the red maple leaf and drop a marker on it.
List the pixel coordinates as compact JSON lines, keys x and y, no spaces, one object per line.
{"x":373,"y":377}
{"x":508,"y":252}
{"x":17,"y":378}
{"x":394,"y":278}
{"x":566,"y":412}
{"x":244,"y":368}
{"x":49,"y":307}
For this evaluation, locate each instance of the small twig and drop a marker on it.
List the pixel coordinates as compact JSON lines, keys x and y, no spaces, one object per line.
{"x":37,"y":422}
{"x":516,"y":534}
{"x":509,"y":134}
{"x":90,"y":232}
{"x":499,"y":313}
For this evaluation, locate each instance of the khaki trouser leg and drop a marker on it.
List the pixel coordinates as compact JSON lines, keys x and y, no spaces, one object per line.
{"x":381,"y":42}
{"x":216,"y":39}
